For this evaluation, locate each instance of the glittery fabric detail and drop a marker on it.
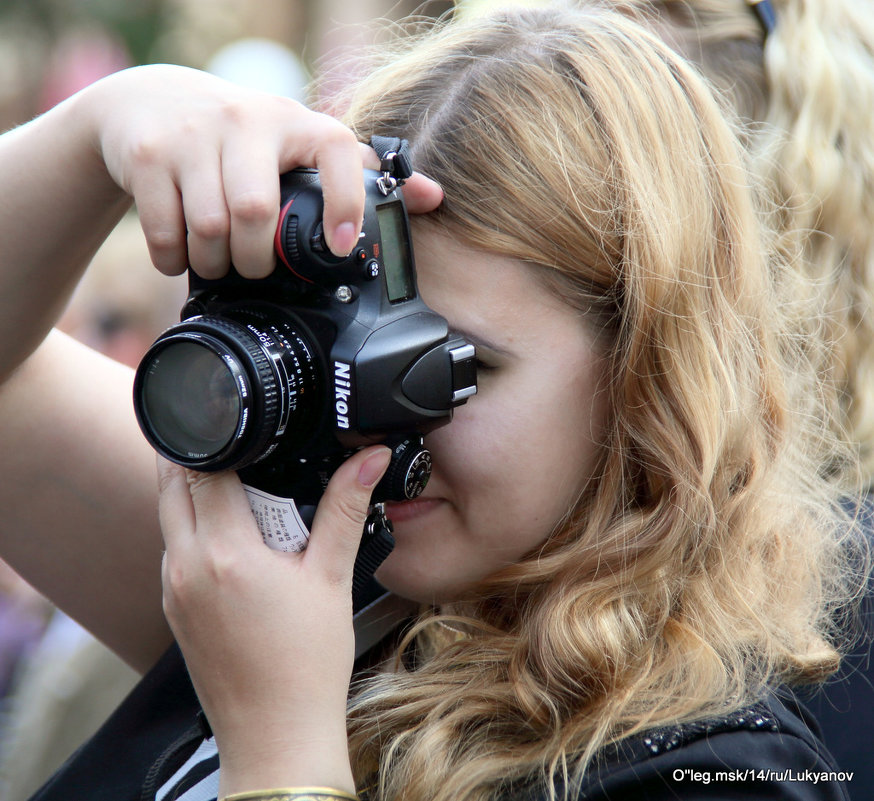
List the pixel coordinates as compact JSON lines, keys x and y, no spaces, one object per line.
{"x":752,"y":718}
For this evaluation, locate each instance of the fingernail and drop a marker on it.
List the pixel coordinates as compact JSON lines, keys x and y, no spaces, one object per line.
{"x":344,"y":239}
{"x":373,"y":468}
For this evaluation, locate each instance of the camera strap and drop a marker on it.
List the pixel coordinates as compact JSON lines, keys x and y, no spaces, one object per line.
{"x":377,"y":543}
{"x":394,"y":161}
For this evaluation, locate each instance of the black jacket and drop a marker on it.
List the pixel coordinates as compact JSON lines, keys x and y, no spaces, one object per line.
{"x":768,"y":751}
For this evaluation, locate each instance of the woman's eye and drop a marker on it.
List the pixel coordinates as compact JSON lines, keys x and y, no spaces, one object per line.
{"x":483,"y":367}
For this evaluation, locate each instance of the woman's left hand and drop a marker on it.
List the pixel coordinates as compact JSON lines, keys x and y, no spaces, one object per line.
{"x":267,"y":635}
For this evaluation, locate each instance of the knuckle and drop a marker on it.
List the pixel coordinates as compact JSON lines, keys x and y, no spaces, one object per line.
{"x":200,"y":482}
{"x":175,"y":580}
{"x":164,"y":240}
{"x":223,"y":568}
{"x":196,"y":479}
{"x":209,"y":225}
{"x":287,"y":109}
{"x":216,"y":566}
{"x":177,"y":596}
{"x":233,"y":110}
{"x":254,"y":207}
{"x":146,"y":151}
{"x":290,"y":105}
{"x":338,"y":135}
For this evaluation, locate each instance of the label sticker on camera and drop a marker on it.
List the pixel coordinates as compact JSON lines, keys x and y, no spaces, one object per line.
{"x":278,"y":518}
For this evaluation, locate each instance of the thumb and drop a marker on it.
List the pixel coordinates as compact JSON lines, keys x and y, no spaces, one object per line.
{"x":339,"y":521}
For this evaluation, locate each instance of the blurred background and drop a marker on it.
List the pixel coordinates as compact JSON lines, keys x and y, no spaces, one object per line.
{"x":57,"y":684}
{"x":51,"y":48}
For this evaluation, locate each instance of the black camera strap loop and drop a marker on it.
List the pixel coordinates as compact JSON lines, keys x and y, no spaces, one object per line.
{"x":377,"y":543}
{"x":395,"y":163}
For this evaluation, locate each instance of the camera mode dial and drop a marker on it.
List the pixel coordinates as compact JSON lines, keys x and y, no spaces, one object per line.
{"x":407,"y":473}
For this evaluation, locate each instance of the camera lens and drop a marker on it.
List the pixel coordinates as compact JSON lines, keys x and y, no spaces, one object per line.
{"x":216,"y":392}
{"x":191,"y":399}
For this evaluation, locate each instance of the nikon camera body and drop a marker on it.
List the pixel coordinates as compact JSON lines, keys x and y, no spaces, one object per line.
{"x":282,"y":378}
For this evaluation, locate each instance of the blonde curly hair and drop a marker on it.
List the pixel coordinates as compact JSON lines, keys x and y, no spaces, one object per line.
{"x":706,"y":561}
{"x":806,"y":93}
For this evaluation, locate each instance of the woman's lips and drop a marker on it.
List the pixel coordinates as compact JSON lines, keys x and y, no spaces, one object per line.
{"x":401,"y":511}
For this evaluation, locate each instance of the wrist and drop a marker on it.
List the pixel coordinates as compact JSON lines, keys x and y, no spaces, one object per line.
{"x":308,"y":762}
{"x":91,"y":112}
{"x":65,"y":205}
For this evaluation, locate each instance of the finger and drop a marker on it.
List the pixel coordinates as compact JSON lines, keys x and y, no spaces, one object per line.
{"x":339,"y":522}
{"x":221,"y":508}
{"x":421,"y":194}
{"x":251,"y":190}
{"x":338,"y":157}
{"x":368,"y":157}
{"x":159,"y":206}
{"x":206,"y":216}
{"x":175,"y":510}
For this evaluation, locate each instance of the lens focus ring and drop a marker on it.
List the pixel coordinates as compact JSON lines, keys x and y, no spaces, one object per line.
{"x":266,"y":401}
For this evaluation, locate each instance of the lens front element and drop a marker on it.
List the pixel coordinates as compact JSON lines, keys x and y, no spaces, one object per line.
{"x":191,"y":397}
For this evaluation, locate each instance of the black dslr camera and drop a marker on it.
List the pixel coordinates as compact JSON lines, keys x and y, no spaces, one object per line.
{"x":282,"y":378}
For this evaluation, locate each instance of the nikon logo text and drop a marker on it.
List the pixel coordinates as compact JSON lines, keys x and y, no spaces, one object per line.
{"x":342,"y":390}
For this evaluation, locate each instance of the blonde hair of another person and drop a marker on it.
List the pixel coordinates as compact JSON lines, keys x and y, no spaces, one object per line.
{"x":806,"y":93}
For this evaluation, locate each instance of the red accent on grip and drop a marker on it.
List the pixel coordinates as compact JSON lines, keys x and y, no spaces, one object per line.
{"x":277,"y":241}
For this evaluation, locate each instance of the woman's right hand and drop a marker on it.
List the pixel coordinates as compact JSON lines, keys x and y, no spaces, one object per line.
{"x":201,"y":158}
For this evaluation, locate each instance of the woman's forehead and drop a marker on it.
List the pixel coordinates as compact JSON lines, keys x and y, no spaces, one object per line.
{"x":494,"y":299}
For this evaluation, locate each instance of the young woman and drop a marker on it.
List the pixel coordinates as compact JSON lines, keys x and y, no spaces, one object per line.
{"x":626,"y":547}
